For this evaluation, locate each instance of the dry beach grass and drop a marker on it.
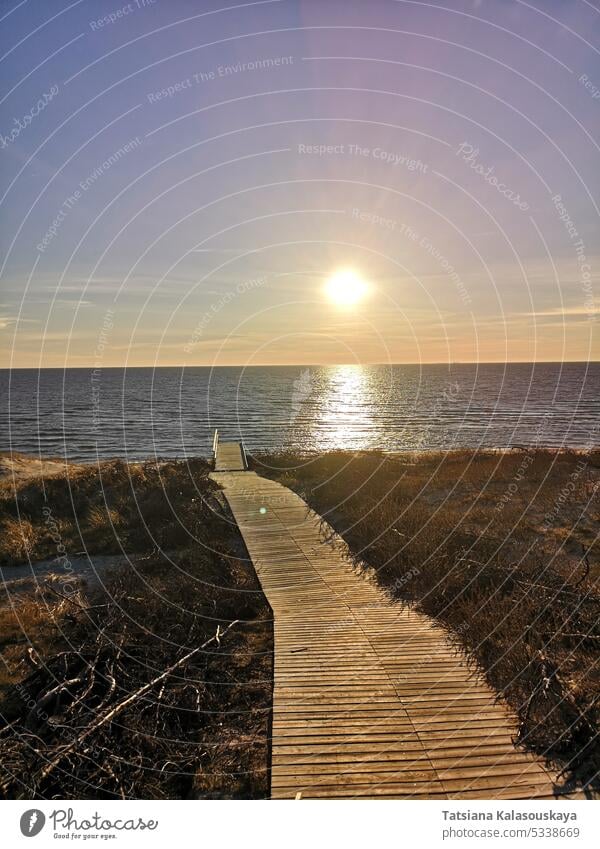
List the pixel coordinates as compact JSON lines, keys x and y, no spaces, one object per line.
{"x":87,"y":711}
{"x":500,"y":547}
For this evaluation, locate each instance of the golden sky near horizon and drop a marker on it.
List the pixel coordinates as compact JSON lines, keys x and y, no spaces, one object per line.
{"x":285,"y":318}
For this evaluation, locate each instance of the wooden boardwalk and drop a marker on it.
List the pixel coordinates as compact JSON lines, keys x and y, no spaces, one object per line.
{"x":370,"y":699}
{"x":228,"y":456}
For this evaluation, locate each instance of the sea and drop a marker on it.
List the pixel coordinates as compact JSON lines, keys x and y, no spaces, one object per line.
{"x":136,"y":413}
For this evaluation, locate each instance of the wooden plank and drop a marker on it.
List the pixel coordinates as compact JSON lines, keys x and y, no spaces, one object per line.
{"x":371,"y":700}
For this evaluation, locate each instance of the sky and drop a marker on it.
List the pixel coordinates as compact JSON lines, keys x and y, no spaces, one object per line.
{"x":179,"y":181}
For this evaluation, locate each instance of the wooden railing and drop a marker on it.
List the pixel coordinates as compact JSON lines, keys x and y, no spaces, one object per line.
{"x":244,"y":458}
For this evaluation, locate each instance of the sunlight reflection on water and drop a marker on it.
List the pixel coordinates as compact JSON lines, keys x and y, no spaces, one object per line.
{"x":344,"y":413}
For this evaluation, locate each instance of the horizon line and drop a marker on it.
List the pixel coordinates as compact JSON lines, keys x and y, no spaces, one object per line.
{"x":305,"y":365}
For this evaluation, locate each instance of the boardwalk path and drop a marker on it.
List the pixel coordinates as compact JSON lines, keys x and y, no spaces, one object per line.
{"x":370,"y":700}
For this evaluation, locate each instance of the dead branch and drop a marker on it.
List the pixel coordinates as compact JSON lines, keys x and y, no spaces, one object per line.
{"x":118,"y":708}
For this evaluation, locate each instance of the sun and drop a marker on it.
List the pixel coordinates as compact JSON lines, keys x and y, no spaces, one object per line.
{"x":346,"y":287}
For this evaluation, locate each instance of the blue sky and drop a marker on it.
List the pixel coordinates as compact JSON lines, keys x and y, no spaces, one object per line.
{"x":197,"y":171}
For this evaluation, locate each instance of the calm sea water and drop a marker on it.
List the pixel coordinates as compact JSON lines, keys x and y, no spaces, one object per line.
{"x":171,"y":412}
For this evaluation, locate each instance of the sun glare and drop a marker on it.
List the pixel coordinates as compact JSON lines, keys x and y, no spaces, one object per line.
{"x":346,"y":288}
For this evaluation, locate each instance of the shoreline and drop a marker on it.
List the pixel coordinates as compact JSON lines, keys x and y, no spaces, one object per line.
{"x":22,"y":465}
